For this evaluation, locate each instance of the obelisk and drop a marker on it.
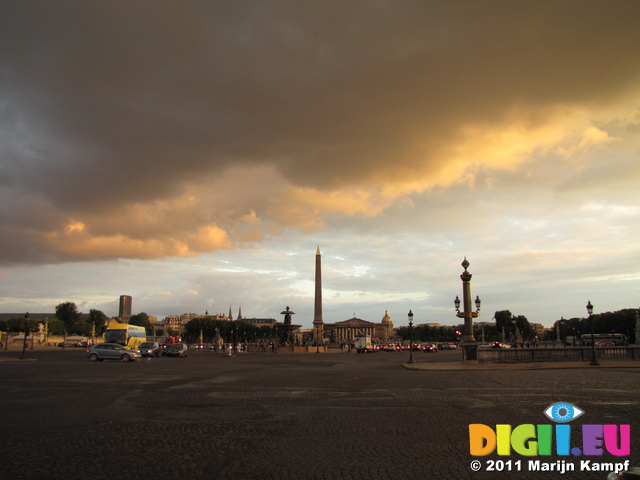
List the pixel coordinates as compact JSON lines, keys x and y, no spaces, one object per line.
{"x":318,"y":324}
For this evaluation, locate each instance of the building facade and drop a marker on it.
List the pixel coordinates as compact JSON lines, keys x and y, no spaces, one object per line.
{"x":345,"y":331}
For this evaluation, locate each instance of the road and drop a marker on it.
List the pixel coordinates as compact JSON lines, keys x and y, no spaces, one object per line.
{"x":282,"y":416}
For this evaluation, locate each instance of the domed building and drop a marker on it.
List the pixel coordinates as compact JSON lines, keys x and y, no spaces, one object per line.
{"x":346,"y":330}
{"x":386,"y":329}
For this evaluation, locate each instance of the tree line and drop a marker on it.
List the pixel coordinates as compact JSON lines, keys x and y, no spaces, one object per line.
{"x":70,"y":321}
{"x":518,"y":327}
{"x":621,"y":321}
{"x":506,"y":324}
{"x":229,"y":332}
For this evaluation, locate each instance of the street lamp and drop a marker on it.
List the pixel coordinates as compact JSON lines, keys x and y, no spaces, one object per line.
{"x":410,"y":337}
{"x":467,"y":314}
{"x":594,"y":359}
{"x":26,"y":332}
{"x":469,"y":343}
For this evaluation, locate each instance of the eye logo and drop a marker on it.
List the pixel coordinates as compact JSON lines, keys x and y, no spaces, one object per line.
{"x":563,"y":412}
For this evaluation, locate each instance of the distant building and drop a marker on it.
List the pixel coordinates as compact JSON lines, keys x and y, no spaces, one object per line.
{"x":538,"y":328}
{"x":346,"y":330}
{"x":259,"y":322}
{"x":126,"y":303}
{"x":177,"y":322}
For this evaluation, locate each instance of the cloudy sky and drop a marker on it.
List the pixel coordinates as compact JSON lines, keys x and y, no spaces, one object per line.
{"x":193,"y":155}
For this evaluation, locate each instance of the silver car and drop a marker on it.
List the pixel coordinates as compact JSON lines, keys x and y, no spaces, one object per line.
{"x":150,"y":349}
{"x":111,"y":351}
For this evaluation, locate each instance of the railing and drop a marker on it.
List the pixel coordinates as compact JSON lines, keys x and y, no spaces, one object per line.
{"x":569,"y":354}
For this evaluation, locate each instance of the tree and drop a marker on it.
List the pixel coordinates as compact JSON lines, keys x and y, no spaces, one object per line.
{"x":142,"y":320}
{"x":524,"y":327}
{"x":98,"y":319}
{"x":56,"y":327}
{"x":14,"y":324}
{"x":68,"y":313}
{"x":504,"y":320}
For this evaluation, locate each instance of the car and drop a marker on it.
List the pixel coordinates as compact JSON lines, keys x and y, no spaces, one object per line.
{"x":176,"y":350}
{"x":150,"y":349}
{"x":72,"y":344}
{"x":111,"y":351}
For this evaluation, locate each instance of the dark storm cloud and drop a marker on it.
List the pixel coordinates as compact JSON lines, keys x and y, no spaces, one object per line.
{"x":105,"y":104}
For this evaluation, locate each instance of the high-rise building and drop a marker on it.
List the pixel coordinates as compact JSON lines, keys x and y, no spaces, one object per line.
{"x":125,"y":307}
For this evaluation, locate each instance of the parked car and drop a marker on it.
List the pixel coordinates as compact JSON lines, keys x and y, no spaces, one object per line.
{"x":82,"y":343}
{"x":176,"y":350}
{"x":111,"y":351}
{"x":150,"y":349}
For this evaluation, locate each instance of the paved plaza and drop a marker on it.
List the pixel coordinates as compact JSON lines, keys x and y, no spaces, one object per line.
{"x":285,"y":416}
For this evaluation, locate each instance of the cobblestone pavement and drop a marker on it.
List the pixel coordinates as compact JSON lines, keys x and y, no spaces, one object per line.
{"x":268,"y":416}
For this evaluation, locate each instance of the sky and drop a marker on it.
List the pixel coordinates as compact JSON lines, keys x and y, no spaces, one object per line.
{"x":195,"y":154}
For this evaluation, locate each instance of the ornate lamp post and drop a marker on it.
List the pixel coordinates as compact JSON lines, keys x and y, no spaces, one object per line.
{"x":235,"y":339}
{"x":26,"y":332}
{"x":410,"y":337}
{"x":594,"y":359}
{"x":469,"y":344}
{"x":32,"y":339}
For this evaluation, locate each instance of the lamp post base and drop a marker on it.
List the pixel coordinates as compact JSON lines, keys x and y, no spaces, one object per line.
{"x":469,"y":352}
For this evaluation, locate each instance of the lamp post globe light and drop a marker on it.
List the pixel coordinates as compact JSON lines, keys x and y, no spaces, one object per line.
{"x":410,"y":315}
{"x":594,"y":358}
{"x":469,"y":343}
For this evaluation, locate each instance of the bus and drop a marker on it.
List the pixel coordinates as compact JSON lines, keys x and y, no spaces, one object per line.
{"x":606,"y":339}
{"x":129,"y":336}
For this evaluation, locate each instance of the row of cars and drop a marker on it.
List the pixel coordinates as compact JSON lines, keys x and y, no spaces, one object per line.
{"x":495,"y":345}
{"x":115,"y":351}
{"x":416,"y":347}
